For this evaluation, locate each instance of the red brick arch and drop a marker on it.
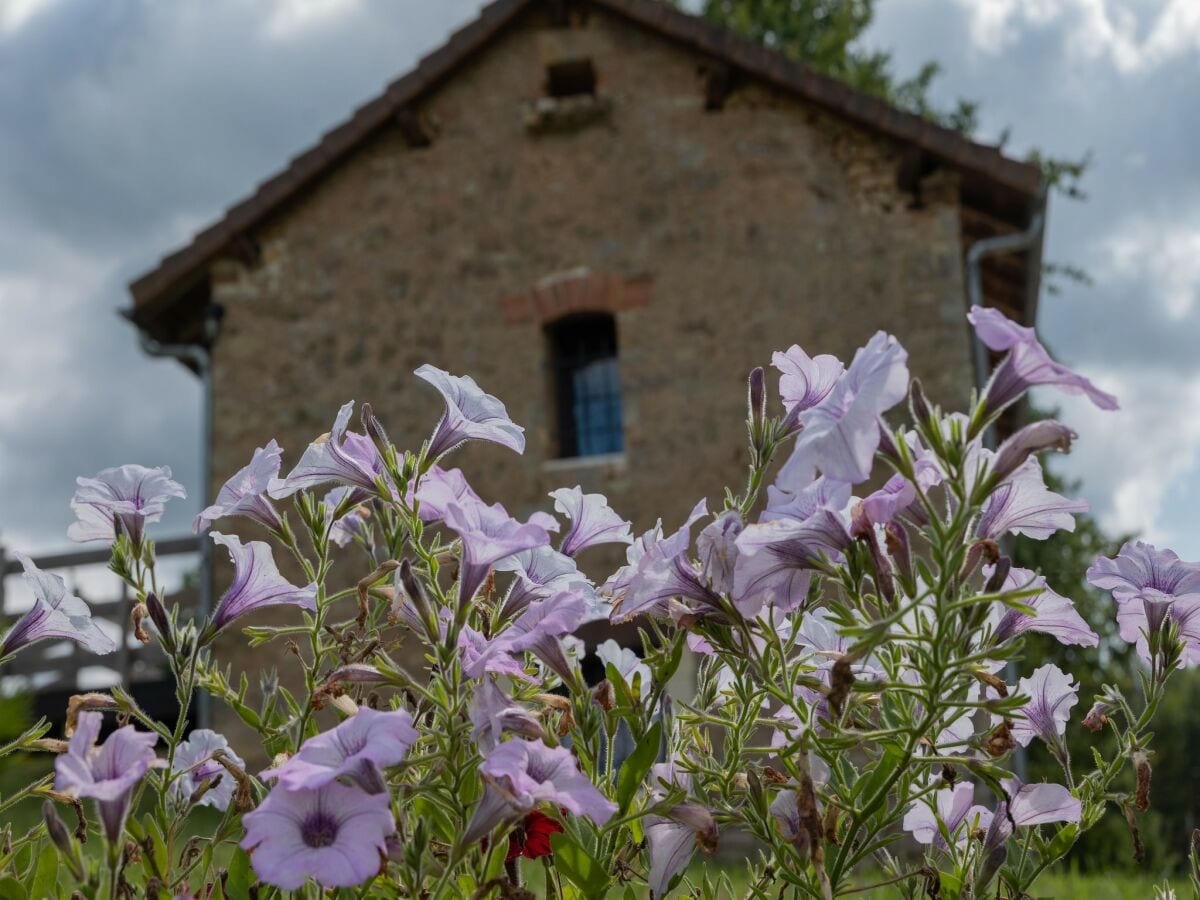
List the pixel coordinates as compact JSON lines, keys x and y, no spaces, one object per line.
{"x":575,"y":291}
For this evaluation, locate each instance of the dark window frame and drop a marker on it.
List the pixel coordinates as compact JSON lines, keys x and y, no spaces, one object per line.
{"x":585,"y":369}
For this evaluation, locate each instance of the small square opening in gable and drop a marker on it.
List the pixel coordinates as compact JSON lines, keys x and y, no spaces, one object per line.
{"x":571,"y":78}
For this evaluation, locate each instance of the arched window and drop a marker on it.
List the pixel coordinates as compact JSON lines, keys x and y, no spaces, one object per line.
{"x":587,"y":386}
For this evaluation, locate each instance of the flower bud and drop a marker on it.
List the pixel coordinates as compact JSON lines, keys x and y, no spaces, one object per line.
{"x":138,"y":614}
{"x":374,"y":429}
{"x":61,"y":838}
{"x":1034,"y":438}
{"x":917,"y":403}
{"x":162,"y":622}
{"x":986,"y":550}
{"x":757,"y":398}
{"x":999,"y":575}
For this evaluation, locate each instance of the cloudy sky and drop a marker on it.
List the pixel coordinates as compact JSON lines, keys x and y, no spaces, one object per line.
{"x":125,"y":126}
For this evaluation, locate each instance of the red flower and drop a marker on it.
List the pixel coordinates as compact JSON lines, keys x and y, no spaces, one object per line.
{"x":532,"y":838}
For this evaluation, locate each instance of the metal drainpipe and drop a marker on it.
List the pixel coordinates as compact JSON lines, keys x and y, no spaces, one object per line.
{"x":1006,"y":243}
{"x":200,"y":356}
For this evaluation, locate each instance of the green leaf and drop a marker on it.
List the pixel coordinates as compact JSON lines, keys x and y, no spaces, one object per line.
{"x":238,"y":876}
{"x":868,"y":784}
{"x":10,"y":889}
{"x":45,"y":876}
{"x":1063,"y":841}
{"x":578,"y":866}
{"x":634,"y":769}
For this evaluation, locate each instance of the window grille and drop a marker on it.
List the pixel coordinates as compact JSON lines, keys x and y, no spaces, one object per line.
{"x":587,"y":385}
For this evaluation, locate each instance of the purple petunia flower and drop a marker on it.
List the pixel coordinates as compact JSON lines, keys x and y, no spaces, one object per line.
{"x":659,"y":571}
{"x":592,"y":521}
{"x":440,"y":487}
{"x":672,"y":838}
{"x":624,"y":660}
{"x":493,"y":713}
{"x":716,"y":546}
{"x":776,"y":560}
{"x":1029,"y":804}
{"x":335,"y":834}
{"x":1051,"y":694}
{"x":353,"y":524}
{"x":56,"y":613}
{"x":256,"y":584}
{"x":955,"y":809}
{"x":1022,"y":504}
{"x":367,"y":741}
{"x":194,"y":765}
{"x":521,"y":775}
{"x":489,"y":534}
{"x":804,"y":380}
{"x":1149,"y":584}
{"x":471,"y":415}
{"x":842,"y":431}
{"x":1026,"y":364}
{"x":1054,"y":614}
{"x":1033,"y":438}
{"x":538,"y":573}
{"x":537,"y":630}
{"x":245,"y":494}
{"x":339,"y":457}
{"x":126,"y":497}
{"x":1139,"y":567}
{"x":107,"y":773}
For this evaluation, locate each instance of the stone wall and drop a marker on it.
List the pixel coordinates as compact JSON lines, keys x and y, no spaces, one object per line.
{"x":714,"y":236}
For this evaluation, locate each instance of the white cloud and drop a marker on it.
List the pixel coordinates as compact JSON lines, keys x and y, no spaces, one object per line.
{"x":291,"y":18}
{"x":1162,"y":252}
{"x":15,"y":13}
{"x":1131,"y":460}
{"x":1092,"y":29}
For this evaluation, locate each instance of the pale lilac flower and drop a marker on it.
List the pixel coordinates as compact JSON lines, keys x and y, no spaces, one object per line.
{"x":592,"y":521}
{"x":536,"y":630}
{"x":256,"y":583}
{"x":1051,"y":694}
{"x":1029,"y":804}
{"x":126,"y":497}
{"x":478,"y":655}
{"x":194,"y":765}
{"x":776,"y":560}
{"x":672,"y":838}
{"x":716,"y":546}
{"x":334,"y":834}
{"x":538,"y":573}
{"x":624,"y":660}
{"x":56,"y":613}
{"x":1027,"y":363}
{"x":488,"y":535}
{"x":804,"y":380}
{"x":471,"y":415}
{"x":245,"y":494}
{"x":440,"y":487}
{"x":494,"y":713}
{"x":1054,"y":614}
{"x":521,"y":775}
{"x":1144,"y":614}
{"x":1140,"y":566}
{"x":1022,"y":504}
{"x":802,"y":500}
{"x":842,"y":431}
{"x":658,"y":571}
{"x":367,"y":741}
{"x":108,"y":772}
{"x":1147,"y":584}
{"x":353,"y":524}
{"x":339,"y":457}
{"x":954,"y":809}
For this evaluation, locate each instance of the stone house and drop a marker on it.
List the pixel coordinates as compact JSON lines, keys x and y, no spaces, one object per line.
{"x":606,"y":212}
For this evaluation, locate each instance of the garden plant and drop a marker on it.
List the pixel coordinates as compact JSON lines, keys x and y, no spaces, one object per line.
{"x":851,"y":616}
